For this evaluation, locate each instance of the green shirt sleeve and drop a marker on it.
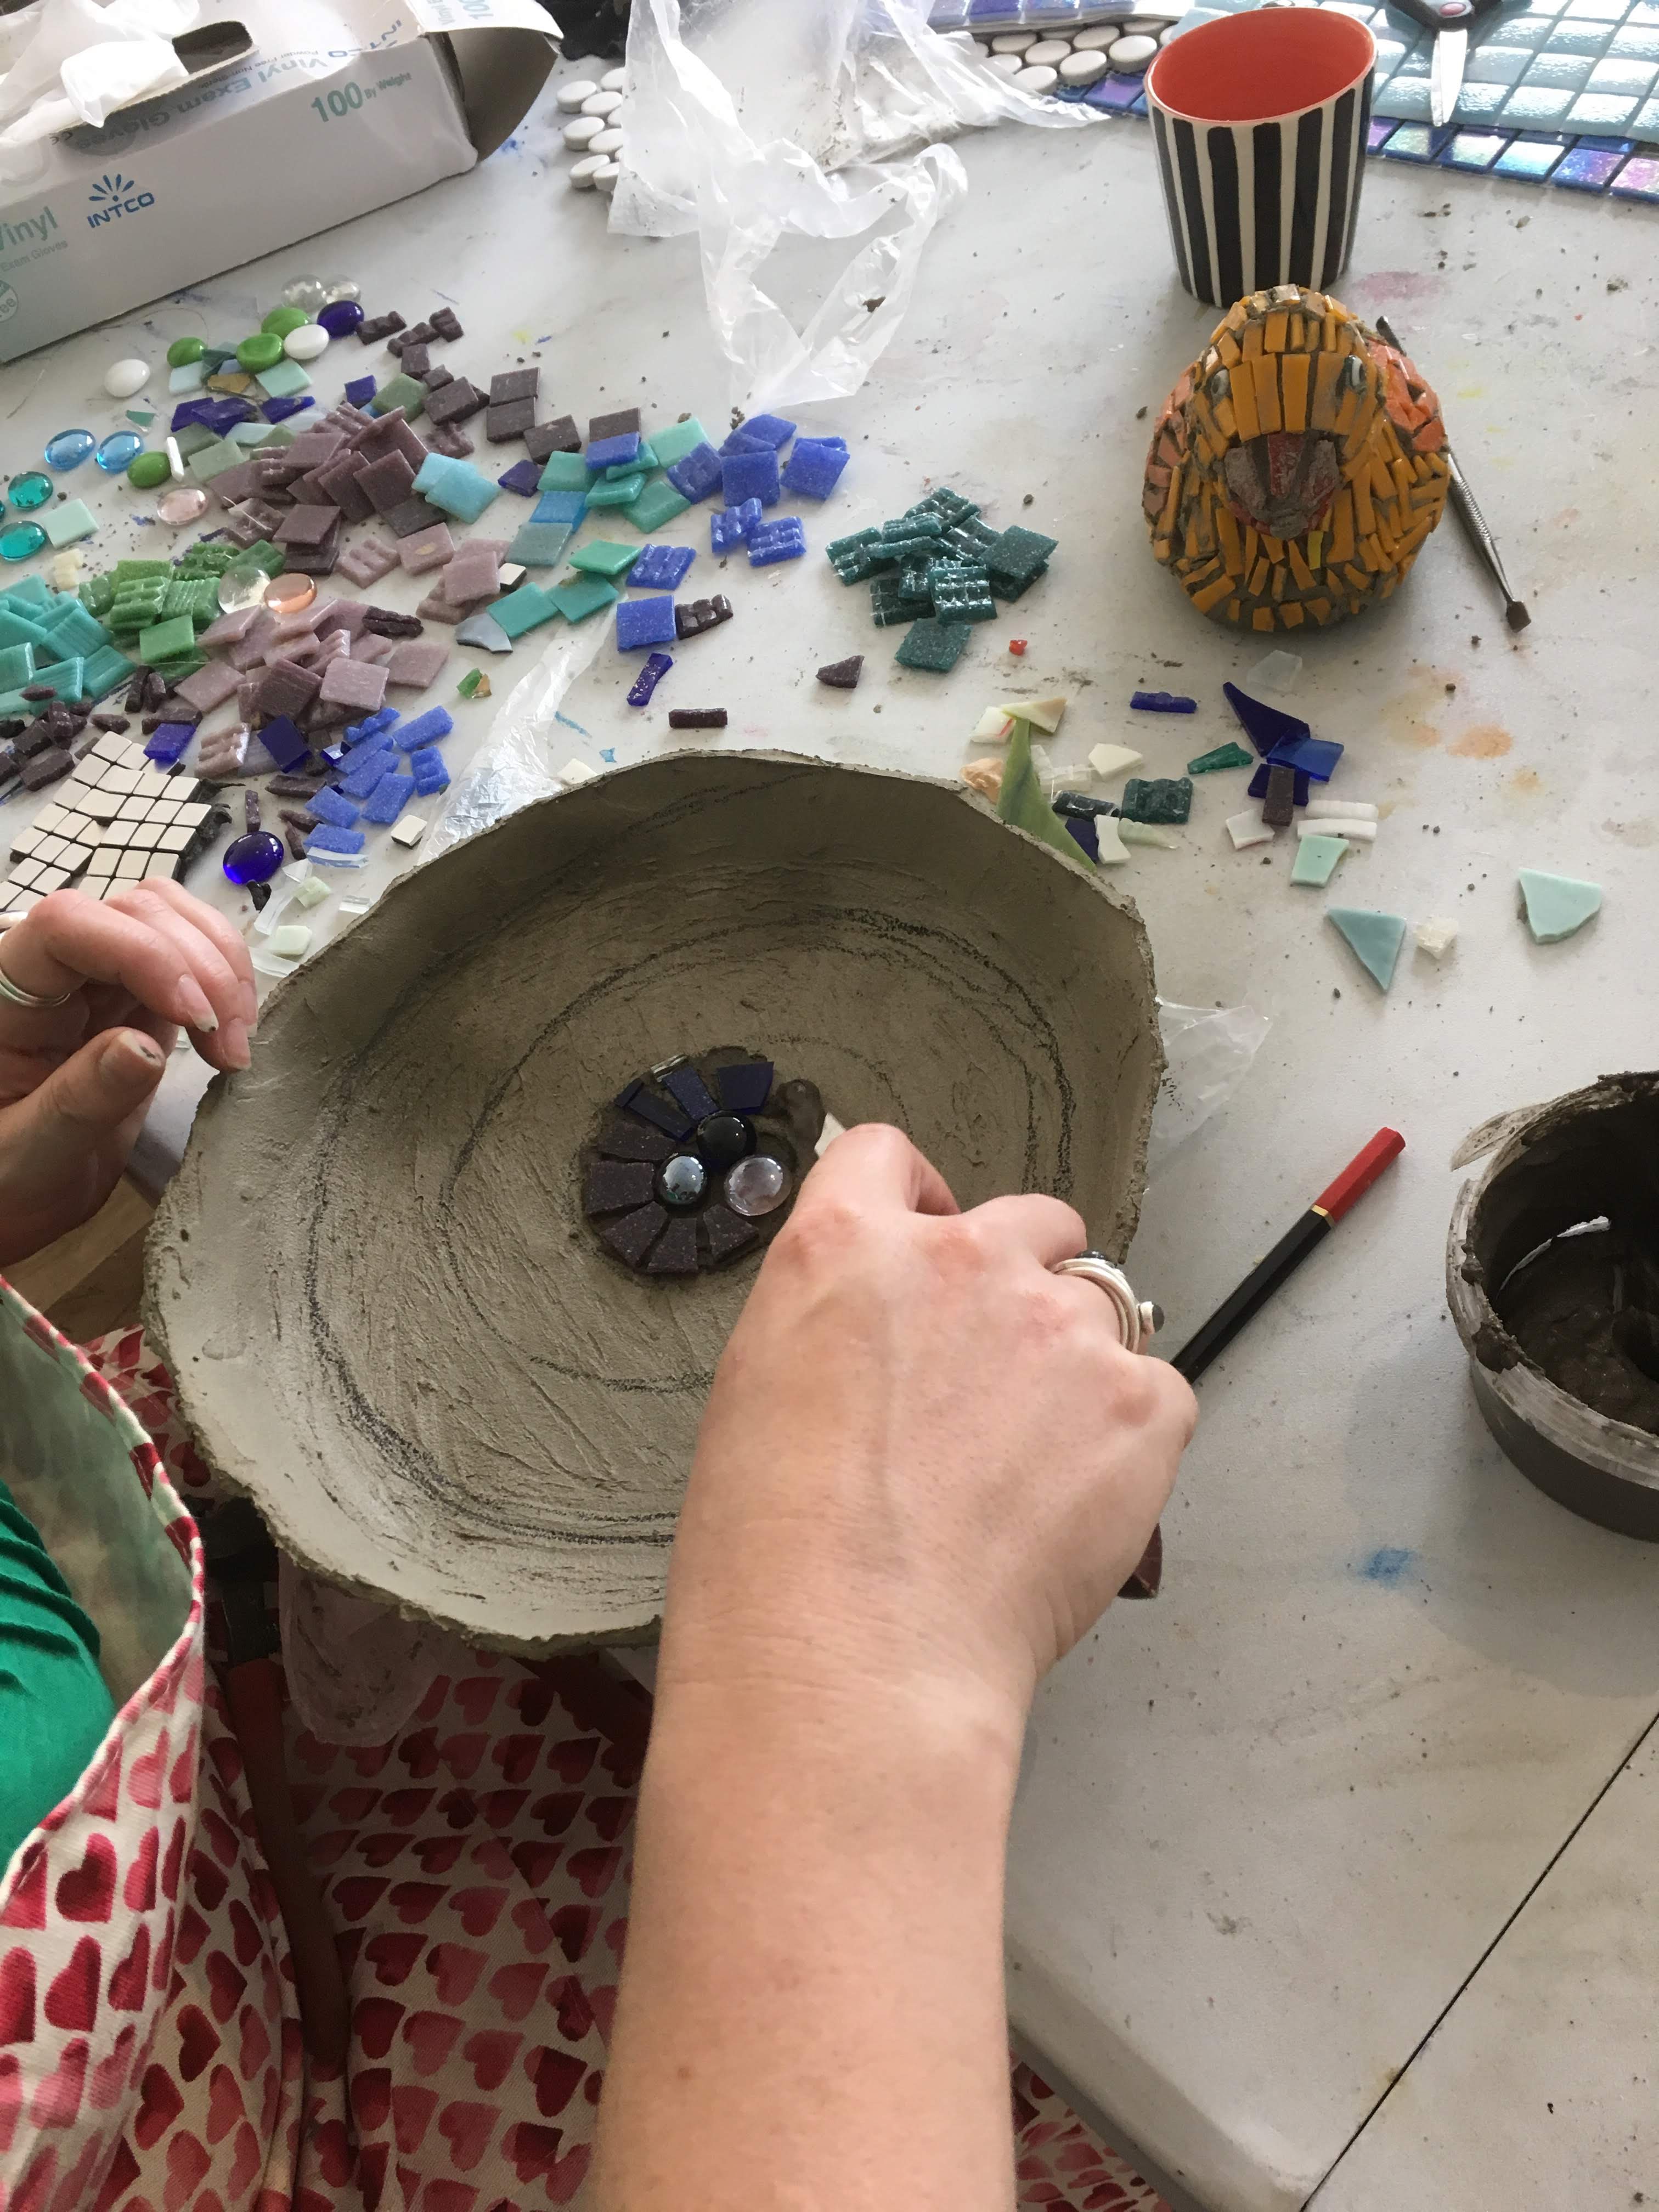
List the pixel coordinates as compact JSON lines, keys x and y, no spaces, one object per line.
{"x":54,"y":1707}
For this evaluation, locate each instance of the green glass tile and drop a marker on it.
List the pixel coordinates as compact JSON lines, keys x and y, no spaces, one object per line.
{"x":679,"y":439}
{"x":193,"y":438}
{"x":659,"y":503}
{"x":1158,"y":798}
{"x":264,"y":555}
{"x":523,"y":609}
{"x":136,"y":571}
{"x":213,"y":460}
{"x":605,"y":557}
{"x":404,"y":391}
{"x":540,"y":545}
{"x":622,"y":493}
{"x":166,"y":640}
{"x":933,"y":645}
{"x":564,"y":472}
{"x":472,"y":682}
{"x":196,"y":597}
{"x":1227,"y":756}
{"x":96,"y":593}
{"x":1316,"y":858}
{"x":70,"y":522}
{"x":174,"y":672}
{"x":577,"y":599}
{"x":284,"y":378}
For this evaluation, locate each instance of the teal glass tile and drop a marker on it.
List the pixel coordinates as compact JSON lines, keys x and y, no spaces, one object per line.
{"x":1530,"y":106}
{"x":1474,"y":149}
{"x":1531,"y":31}
{"x":1579,"y":39}
{"x":1588,"y":169}
{"x":1389,"y":52}
{"x":1496,"y":65}
{"x":1646,"y":124}
{"x":1646,"y":13}
{"x":1638,"y":179}
{"x":1620,"y":75}
{"x":1413,"y":142}
{"x":1594,"y":11}
{"x":1601,"y":111}
{"x":1561,"y":72}
{"x":1418,"y":62}
{"x":1406,"y":103}
{"x":1635,"y":42}
{"x":1529,"y":160}
{"x":1480,"y":103}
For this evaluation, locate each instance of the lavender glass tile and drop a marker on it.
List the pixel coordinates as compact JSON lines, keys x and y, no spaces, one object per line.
{"x":353,"y":683}
{"x":427,"y":549}
{"x":1588,"y":169}
{"x":1114,"y":93}
{"x":417,"y":662}
{"x":1638,"y":179}
{"x":366,"y":560}
{"x":1378,"y":133}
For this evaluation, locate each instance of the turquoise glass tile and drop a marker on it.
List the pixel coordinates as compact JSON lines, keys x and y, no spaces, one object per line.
{"x":1635,"y":42}
{"x":1418,"y":62}
{"x":1529,"y":159}
{"x":1529,"y":106}
{"x":1414,"y":141}
{"x":1480,"y":103}
{"x":1474,"y":149}
{"x":1579,"y":37}
{"x":1496,"y":65}
{"x":1619,"y":75}
{"x":1601,"y":111}
{"x":1409,"y":102}
{"x":1646,"y":124}
{"x":1531,"y":31}
{"x":1564,"y":72}
{"x":1594,"y":12}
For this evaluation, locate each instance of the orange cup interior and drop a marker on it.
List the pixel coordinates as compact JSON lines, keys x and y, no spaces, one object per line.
{"x":1271,"y":62}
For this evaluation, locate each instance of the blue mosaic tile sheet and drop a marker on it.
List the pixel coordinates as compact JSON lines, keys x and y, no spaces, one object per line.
{"x":1587,"y":68}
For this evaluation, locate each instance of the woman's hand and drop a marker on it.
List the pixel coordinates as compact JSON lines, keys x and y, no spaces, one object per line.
{"x":925,"y":1455}
{"x":77,"y":1079}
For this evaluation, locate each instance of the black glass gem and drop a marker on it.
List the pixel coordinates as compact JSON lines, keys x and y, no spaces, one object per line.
{"x":614,"y":1184}
{"x":675,"y":1252}
{"x":688,"y":1087}
{"x":746,"y":1088}
{"x":682,"y":1181}
{"x":724,"y":1139}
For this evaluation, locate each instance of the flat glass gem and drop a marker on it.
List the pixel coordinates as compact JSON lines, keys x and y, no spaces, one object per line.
{"x":240,"y":587}
{"x":31,"y":489}
{"x":682,"y":1181}
{"x":280,"y":320}
{"x":340,"y":318}
{"x":306,"y":342}
{"x":262,"y":350}
{"x":254,"y":857}
{"x":757,"y":1186}
{"x":343,"y":290}
{"x":116,"y":450}
{"x":307,"y":292}
{"x":24,"y":538}
{"x":723,"y":1140}
{"x":69,"y":449}
{"x":183,"y":503}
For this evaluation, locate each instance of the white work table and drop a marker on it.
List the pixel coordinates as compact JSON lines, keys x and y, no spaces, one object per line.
{"x":1271,"y":1824}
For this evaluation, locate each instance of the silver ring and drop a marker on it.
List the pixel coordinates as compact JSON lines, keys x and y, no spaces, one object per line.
{"x":1137,"y":1319}
{"x":19,"y":997}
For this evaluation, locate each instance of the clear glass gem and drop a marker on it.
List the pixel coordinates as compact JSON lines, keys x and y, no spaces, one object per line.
{"x":241,"y":588}
{"x":69,"y":449}
{"x":116,"y":450}
{"x":340,"y":288}
{"x":305,"y":293}
{"x":757,"y":1186}
{"x":184,"y":503}
{"x":254,"y":857}
{"x":682,"y":1181}
{"x":22,"y":539}
{"x":31,"y":489}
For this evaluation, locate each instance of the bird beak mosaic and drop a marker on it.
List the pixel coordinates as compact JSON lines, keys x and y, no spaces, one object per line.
{"x":1297,"y":467}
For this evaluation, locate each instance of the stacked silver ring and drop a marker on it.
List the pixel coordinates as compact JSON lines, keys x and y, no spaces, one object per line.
{"x":1137,"y":1319}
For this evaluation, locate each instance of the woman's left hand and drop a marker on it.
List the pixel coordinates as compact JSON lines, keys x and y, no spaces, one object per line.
{"x":77,"y":1078}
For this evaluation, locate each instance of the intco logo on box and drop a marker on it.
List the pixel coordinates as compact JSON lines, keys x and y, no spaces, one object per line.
{"x":111,"y":198}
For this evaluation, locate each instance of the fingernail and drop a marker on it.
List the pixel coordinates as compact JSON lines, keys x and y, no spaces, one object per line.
{"x":233,"y":1044}
{"x":250,"y":1006}
{"x":139,"y":1046}
{"x":196,"y":1012}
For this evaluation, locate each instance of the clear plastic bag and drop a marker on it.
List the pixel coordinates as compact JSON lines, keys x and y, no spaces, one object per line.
{"x":1208,"y":1051}
{"x":750,"y":119}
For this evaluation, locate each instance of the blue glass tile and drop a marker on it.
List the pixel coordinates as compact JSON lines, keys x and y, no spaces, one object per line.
{"x":388,"y":800}
{"x":1115,"y":92}
{"x":698,"y":474}
{"x":428,"y":772}
{"x":1530,"y":159}
{"x":661,"y":568}
{"x":1601,"y":111}
{"x":426,"y":729}
{"x":1623,"y":76}
{"x":746,"y":1087}
{"x":656,"y":665}
{"x":1533,"y":104}
{"x":331,"y":805}
{"x":1588,"y":169}
{"x":1138,"y":104}
{"x":612,"y":452}
{"x":1314,"y":756}
{"x":642,"y":622}
{"x":1474,"y":149}
{"x":1638,"y":179}
{"x":1496,"y":65}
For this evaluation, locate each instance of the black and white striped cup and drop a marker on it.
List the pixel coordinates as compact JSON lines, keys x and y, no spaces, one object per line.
{"x":1261,"y":122}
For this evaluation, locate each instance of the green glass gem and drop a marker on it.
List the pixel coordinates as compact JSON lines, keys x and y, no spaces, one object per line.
{"x":1227,"y":756}
{"x":31,"y":489}
{"x":146,"y":470}
{"x":262,"y":350}
{"x":468,"y":686}
{"x":17,"y":544}
{"x":183,"y":351}
{"x":280,"y":320}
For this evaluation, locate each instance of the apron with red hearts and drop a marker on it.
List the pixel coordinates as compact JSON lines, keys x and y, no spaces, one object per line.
{"x":474,"y":1870}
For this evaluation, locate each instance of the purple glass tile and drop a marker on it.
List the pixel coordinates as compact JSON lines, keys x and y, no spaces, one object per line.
{"x":656,"y":667}
{"x":523,"y":478}
{"x":361,"y":390}
{"x":1588,"y":169}
{"x":1638,"y":179}
{"x":1377,"y":135}
{"x":1116,"y":92}
{"x":746,"y":1087}
{"x":283,"y":740}
{"x":353,"y":683}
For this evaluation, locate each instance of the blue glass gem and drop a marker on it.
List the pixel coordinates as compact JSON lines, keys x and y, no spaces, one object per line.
{"x":29,"y":490}
{"x":681,"y":1180}
{"x":254,"y":857}
{"x":724,"y":1139}
{"x":17,"y":543}
{"x":69,"y":449}
{"x":656,"y":665}
{"x":116,"y":450}
{"x":340,"y":317}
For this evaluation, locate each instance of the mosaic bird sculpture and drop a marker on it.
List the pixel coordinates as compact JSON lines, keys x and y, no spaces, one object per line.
{"x":1297,"y":467}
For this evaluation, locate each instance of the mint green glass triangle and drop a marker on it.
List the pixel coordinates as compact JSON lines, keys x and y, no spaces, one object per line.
{"x":1557,"y":905}
{"x":1375,"y":939}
